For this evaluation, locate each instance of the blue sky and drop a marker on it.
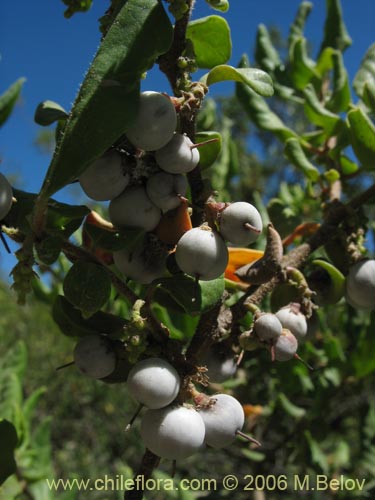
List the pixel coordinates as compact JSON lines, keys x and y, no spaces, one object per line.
{"x":53,"y":54}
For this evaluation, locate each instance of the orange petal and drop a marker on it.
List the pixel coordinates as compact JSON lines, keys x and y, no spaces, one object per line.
{"x":239,"y":257}
{"x":174,"y":224}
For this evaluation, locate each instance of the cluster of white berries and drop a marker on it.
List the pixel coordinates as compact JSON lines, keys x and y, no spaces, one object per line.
{"x":201,"y":252}
{"x":280,"y":332}
{"x":175,"y":431}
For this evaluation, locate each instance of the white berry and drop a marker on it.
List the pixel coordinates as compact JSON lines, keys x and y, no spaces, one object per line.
{"x":135,"y":265}
{"x":153,"y":382}
{"x":178,"y":156}
{"x":222,"y":419}
{"x":360,"y":285}
{"x":94,"y":356}
{"x":155,"y":122}
{"x":291,"y":318}
{"x":240,"y":223}
{"x":202,"y":254}
{"x":163,"y":190}
{"x":6,"y":195}
{"x":133,"y":208}
{"x":267,"y":327}
{"x":285,"y":346}
{"x":174,"y":432}
{"x":105,"y":178}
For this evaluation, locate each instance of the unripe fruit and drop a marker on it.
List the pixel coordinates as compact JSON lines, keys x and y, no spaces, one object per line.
{"x":6,"y":195}
{"x":153,"y":382}
{"x":155,"y":122}
{"x":105,"y":178}
{"x":133,"y":265}
{"x":178,"y":156}
{"x":285,"y":346}
{"x":293,"y":320}
{"x":360,"y":284}
{"x":94,"y":356}
{"x":240,"y":223}
{"x":222,"y":420}
{"x":267,"y":327}
{"x":133,"y":208}
{"x":202,"y":254}
{"x":165,"y":190}
{"x":174,"y":432}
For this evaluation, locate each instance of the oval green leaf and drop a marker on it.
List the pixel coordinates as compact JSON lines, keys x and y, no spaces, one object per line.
{"x":87,"y":286}
{"x":9,"y":99}
{"x":255,"y":78}
{"x":362,"y":137}
{"x":49,"y":112}
{"x":211,"y":41}
{"x":366,"y":72}
{"x":220,"y":5}
{"x":294,"y":152}
{"x":336,"y":289}
{"x":108,"y":98}
{"x":209,"y":152}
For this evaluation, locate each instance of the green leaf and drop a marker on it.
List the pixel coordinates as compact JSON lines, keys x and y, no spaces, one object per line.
{"x":191,"y":297}
{"x":266,"y":55}
{"x":348,"y":166}
{"x":341,"y":97}
{"x":31,"y":402}
{"x":9,"y":99}
{"x":259,"y":111}
{"x":8,"y":440}
{"x":73,"y":324}
{"x":209,"y":152}
{"x":335,"y":32}
{"x":49,"y":112}
{"x":317,"y":455}
{"x":75,"y":6}
{"x":62,"y":219}
{"x":365,"y":74}
{"x":363,"y":357}
{"x":362,"y":136}
{"x":297,"y":27}
{"x":10,"y":395}
{"x":211,"y":41}
{"x":117,"y":240}
{"x":255,"y":78}
{"x":325,"y":61}
{"x":317,"y":113}
{"x":108,"y":98}
{"x":220,"y":5}
{"x":87,"y":286}
{"x":369,"y":95}
{"x":302,"y":68}
{"x":336,"y":289}
{"x":15,"y":359}
{"x":290,"y":408}
{"x":294,"y":152}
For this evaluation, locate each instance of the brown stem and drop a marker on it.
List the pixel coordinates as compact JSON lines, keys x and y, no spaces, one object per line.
{"x":299,"y":255}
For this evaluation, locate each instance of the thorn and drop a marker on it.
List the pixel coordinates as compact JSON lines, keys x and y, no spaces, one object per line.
{"x":200,"y":144}
{"x":65,"y":366}
{"x":273,"y":353}
{"x":248,"y":438}
{"x":304,"y":362}
{"x":137,"y":412}
{"x":239,"y":359}
{"x":5,"y":243}
{"x":195,"y":290}
{"x":252,"y":228}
